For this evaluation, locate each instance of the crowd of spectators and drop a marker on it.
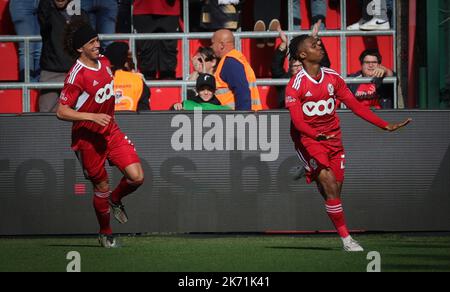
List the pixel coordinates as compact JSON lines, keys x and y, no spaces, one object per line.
{"x":157,"y":59}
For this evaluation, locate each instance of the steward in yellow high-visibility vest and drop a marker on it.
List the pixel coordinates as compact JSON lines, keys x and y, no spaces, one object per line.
{"x":132,"y":94}
{"x":235,"y":78}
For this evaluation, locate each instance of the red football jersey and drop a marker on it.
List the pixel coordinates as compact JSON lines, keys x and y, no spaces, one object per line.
{"x":89,"y":90}
{"x":157,"y":7}
{"x":313,"y":103}
{"x":367,"y":95}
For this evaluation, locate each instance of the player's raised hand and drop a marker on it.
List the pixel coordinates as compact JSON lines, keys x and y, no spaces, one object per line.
{"x":282,"y":34}
{"x":316,"y":29}
{"x":395,"y":127}
{"x":323,"y":137}
{"x":101,"y":119}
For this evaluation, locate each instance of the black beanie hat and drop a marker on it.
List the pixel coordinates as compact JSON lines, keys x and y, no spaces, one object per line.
{"x":117,"y":53}
{"x":82,"y":36}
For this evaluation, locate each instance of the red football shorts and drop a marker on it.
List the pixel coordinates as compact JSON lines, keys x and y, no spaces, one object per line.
{"x":317,"y":156}
{"x":116,"y":148}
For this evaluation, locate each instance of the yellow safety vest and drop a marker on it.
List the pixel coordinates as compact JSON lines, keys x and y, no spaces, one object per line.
{"x":128,"y":88}
{"x":224,"y":93}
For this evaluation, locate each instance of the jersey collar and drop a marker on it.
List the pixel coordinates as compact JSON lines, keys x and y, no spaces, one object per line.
{"x":90,"y":68}
{"x":312,"y":79}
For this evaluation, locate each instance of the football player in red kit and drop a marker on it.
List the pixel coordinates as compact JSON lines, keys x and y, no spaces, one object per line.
{"x":311,"y":98}
{"x":88,"y":101}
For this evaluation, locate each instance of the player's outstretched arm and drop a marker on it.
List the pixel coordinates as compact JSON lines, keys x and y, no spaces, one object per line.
{"x":66,"y":113}
{"x":395,"y":127}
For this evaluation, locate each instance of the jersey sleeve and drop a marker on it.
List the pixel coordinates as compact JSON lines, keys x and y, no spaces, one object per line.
{"x":344,"y":94}
{"x":294,"y":105}
{"x":71,"y":91}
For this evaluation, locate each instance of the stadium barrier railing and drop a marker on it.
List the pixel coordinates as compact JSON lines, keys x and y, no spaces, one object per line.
{"x":185,"y":37}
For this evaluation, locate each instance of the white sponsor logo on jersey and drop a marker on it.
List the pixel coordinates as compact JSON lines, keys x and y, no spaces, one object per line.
{"x":290,"y":99}
{"x":320,"y":108}
{"x":95,"y":83}
{"x":105,"y":93}
{"x":309,"y":94}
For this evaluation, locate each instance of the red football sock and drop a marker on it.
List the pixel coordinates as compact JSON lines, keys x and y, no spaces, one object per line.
{"x":336,"y":214}
{"x":124,"y":189}
{"x":102,"y":211}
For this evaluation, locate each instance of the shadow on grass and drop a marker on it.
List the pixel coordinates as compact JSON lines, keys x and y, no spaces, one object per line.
{"x":424,"y":257}
{"x":301,"y":248}
{"x":74,"y":245}
{"x":424,"y":245}
{"x":416,"y":268}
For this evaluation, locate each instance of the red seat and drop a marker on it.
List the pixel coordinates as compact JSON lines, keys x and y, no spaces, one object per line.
{"x":163,"y":99}
{"x":12,"y":101}
{"x":259,"y":59}
{"x":269,"y":97}
{"x":9,"y":62}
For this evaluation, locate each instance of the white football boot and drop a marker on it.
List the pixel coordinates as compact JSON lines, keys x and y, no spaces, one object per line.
{"x":351,"y":245}
{"x":108,"y":241}
{"x":119,"y":212}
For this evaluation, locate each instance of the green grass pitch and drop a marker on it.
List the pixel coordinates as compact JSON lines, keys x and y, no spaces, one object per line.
{"x":217,"y":253}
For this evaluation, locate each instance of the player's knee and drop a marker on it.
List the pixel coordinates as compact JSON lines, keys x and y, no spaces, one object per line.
{"x":102,"y":187}
{"x":137,"y":180}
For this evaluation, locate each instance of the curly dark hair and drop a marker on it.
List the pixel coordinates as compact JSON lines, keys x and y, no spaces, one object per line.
{"x":294,"y":47}
{"x":74,"y":24}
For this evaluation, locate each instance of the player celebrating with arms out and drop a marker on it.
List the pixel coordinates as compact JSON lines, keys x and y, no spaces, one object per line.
{"x":88,"y":101}
{"x":311,"y":97}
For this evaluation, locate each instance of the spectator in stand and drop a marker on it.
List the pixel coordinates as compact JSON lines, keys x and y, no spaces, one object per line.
{"x":295,"y":66}
{"x":318,"y":12}
{"x":157,"y":16}
{"x":24,"y":16}
{"x":132,"y":94}
{"x":220,"y":14}
{"x":374,"y":16}
{"x":204,"y":62}
{"x":375,"y":94}
{"x":102,"y":14}
{"x":55,"y":62}
{"x":235,"y":78}
{"x":124,"y":15}
{"x":267,"y":17}
{"x":205,"y":99}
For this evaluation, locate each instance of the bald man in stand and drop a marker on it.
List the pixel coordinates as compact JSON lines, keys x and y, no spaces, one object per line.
{"x":235,"y":78}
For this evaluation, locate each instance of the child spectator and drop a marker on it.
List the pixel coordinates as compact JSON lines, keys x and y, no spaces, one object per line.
{"x":204,"y":62}
{"x":206,"y":98}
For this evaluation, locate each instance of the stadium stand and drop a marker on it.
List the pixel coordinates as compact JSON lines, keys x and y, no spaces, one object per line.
{"x":163,"y":98}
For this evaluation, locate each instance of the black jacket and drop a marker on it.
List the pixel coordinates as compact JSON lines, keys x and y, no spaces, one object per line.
{"x":52,"y":23}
